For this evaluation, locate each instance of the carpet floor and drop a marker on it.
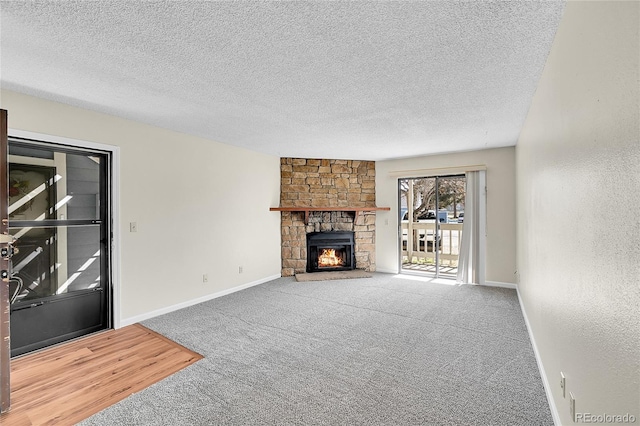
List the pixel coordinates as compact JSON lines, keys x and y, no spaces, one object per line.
{"x":386,"y":350}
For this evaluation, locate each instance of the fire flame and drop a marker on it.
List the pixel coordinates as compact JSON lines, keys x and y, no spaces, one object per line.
{"x":328,"y":258}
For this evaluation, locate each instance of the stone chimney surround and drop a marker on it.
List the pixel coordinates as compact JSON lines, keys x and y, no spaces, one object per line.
{"x":321,"y":195}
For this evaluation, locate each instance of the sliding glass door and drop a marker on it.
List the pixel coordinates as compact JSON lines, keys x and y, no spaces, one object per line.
{"x":431,"y":218}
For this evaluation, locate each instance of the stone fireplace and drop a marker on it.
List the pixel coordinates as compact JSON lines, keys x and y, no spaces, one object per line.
{"x":320,"y":196}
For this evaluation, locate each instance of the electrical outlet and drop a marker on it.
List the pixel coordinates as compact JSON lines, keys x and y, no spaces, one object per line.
{"x":240,"y":269}
{"x":205,"y":278}
{"x":386,"y":221}
{"x":133,"y":227}
{"x":563,"y":384}
{"x":572,"y":406}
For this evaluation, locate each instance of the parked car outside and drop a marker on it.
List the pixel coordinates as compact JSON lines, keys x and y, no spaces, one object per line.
{"x":461,"y":217}
{"x":430,"y":214}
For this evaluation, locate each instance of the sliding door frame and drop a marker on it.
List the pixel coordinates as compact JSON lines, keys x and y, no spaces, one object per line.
{"x":448,"y":171}
{"x":437,"y":237}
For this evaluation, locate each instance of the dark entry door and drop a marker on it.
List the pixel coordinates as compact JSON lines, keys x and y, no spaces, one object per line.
{"x":59,"y":216}
{"x":5,"y":265}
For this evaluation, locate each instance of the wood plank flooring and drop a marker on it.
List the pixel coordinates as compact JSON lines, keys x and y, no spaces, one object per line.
{"x":69,"y":383}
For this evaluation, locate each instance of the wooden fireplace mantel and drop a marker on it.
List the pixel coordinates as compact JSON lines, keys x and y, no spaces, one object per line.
{"x":306,"y":210}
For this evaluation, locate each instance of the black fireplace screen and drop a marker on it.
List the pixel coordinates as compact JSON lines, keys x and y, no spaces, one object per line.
{"x":330,"y":251}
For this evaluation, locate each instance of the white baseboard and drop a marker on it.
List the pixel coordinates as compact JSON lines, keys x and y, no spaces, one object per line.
{"x":387,"y":271}
{"x":543,"y":374}
{"x":500,"y":284}
{"x":166,"y":310}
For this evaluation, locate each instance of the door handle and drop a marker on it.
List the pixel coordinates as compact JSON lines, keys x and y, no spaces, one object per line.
{"x":6,"y":254}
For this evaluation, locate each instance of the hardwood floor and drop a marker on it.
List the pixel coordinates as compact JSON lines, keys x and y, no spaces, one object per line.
{"x":68,"y":383}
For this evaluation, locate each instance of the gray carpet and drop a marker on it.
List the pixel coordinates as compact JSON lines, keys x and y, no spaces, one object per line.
{"x":378,"y":351}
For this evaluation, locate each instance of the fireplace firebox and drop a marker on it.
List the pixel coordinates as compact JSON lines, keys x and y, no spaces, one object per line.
{"x":330,"y":251}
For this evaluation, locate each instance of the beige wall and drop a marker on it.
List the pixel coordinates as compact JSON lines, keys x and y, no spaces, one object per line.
{"x":201,"y":206}
{"x":501,"y":243}
{"x":578,"y":210}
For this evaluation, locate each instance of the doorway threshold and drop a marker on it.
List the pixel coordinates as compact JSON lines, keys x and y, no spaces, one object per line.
{"x":417,"y":276}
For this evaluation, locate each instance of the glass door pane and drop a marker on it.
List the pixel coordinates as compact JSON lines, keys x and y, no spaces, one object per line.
{"x":52,"y":261}
{"x":451,"y":196}
{"x":417,"y":207}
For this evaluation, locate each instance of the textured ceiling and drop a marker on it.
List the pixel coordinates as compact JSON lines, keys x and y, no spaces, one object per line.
{"x":361,"y":80}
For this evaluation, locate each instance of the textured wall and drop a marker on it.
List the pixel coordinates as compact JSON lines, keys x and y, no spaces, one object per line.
{"x":578,"y":210}
{"x":501,"y":216}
